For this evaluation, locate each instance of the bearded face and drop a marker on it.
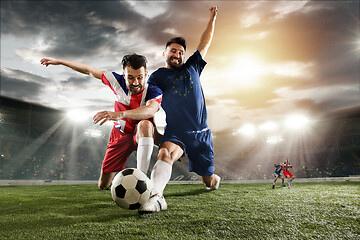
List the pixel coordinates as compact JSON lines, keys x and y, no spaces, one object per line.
{"x":174,"y":56}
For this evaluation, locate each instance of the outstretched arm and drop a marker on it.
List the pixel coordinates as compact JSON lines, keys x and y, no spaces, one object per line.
{"x":207,"y":35}
{"x":145,"y":112}
{"x":79,"y":67}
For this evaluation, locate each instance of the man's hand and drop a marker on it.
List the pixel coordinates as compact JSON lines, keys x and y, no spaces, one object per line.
{"x":49,"y":61}
{"x":105,"y":116}
{"x":213,"y":12}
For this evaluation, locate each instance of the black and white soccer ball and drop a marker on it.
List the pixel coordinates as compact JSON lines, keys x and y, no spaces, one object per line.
{"x":131,"y":188}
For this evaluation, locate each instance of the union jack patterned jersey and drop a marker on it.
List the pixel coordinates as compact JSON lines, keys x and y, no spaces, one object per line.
{"x":286,"y":166}
{"x":126,"y":101}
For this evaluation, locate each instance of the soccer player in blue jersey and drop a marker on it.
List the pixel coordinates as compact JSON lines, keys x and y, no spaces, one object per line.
{"x":187,"y":131}
{"x":277,"y":174}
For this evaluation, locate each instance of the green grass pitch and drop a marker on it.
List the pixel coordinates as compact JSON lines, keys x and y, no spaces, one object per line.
{"x":328,"y":210}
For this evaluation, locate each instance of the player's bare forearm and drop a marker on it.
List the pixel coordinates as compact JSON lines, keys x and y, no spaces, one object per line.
{"x":207,"y":35}
{"x":140,"y":113}
{"x":144,"y":112}
{"x":79,"y":67}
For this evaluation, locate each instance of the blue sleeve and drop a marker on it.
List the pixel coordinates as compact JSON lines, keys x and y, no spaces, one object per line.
{"x":153,"y":92}
{"x":153,"y":80}
{"x":196,"y":61}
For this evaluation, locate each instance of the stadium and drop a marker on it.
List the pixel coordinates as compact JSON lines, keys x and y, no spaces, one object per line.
{"x":40,"y":143}
{"x":43,"y":147}
{"x":253,"y":89}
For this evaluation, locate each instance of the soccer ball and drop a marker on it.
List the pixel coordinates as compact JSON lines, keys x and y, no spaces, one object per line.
{"x":131,"y":188}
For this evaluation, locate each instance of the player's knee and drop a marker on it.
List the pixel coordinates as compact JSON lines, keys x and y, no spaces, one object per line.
{"x":146,"y":128}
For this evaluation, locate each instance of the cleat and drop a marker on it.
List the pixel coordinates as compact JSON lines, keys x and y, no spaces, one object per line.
{"x":273,"y":187}
{"x":216,"y":185}
{"x":283,"y":185}
{"x":154,"y":204}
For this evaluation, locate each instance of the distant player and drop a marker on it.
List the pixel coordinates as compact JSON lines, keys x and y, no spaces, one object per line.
{"x":136,"y":102}
{"x":277,"y":174}
{"x":286,"y":165}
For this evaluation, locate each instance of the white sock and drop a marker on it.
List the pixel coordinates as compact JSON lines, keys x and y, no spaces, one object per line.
{"x":292,"y":180}
{"x":288,"y":182}
{"x":160,"y":176}
{"x":144,"y":151}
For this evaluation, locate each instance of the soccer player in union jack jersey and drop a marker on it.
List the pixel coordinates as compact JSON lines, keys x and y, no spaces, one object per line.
{"x":286,"y":166}
{"x":186,"y":131}
{"x":135,"y":105}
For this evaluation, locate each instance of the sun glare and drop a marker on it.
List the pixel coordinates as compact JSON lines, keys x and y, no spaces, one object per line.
{"x":248,"y":69}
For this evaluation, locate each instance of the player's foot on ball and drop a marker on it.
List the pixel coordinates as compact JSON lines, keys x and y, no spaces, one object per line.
{"x":155,"y":204}
{"x":216,"y":185}
{"x":273,"y":187}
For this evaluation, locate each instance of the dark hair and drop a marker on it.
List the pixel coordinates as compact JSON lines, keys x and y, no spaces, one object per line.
{"x":134,"y":61}
{"x":179,"y":40}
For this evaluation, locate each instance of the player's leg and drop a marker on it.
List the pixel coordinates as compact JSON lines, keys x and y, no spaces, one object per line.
{"x":276,"y":178}
{"x":118,"y":150}
{"x":201,"y":158}
{"x":292,"y":178}
{"x":169,"y":152}
{"x":211,"y":182}
{"x":145,"y":141}
{"x":282,"y":181}
{"x":105,"y":180}
{"x":286,"y":174}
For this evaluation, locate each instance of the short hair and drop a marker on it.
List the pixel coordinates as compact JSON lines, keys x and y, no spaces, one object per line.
{"x":134,"y":61}
{"x":179,"y":40}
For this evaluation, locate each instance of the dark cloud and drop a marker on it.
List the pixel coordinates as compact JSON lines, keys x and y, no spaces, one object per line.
{"x":78,"y":82}
{"x":15,"y":86}
{"x":70,"y":28}
{"x":320,"y":33}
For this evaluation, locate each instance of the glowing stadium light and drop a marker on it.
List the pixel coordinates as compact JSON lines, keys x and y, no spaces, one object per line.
{"x":274,"y":139}
{"x":296,"y":122}
{"x":92,"y":133}
{"x":78,"y":115}
{"x":268,"y":126}
{"x":247,"y":129}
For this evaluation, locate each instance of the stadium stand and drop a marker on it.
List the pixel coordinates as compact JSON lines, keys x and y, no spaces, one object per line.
{"x":40,"y":143}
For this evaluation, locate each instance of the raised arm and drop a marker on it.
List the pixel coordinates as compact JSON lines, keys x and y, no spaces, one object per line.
{"x":207,"y":35}
{"x":145,"y":112}
{"x":79,"y":67}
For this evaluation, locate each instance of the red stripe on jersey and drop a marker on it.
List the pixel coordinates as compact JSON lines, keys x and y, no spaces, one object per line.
{"x":106,"y":82}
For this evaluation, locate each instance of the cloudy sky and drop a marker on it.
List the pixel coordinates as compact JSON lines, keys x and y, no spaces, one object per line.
{"x":268,"y":59}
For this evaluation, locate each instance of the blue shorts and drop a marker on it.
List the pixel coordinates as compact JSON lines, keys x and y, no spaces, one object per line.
{"x":198,"y":145}
{"x":275,"y":173}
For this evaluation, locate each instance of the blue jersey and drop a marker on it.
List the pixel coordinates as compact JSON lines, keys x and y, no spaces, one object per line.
{"x":183,"y":98}
{"x":276,"y":168}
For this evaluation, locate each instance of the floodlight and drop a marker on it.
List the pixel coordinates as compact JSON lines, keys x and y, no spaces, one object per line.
{"x":296,"y":122}
{"x":268,"y":126}
{"x":247,"y":129}
{"x":77,"y":115}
